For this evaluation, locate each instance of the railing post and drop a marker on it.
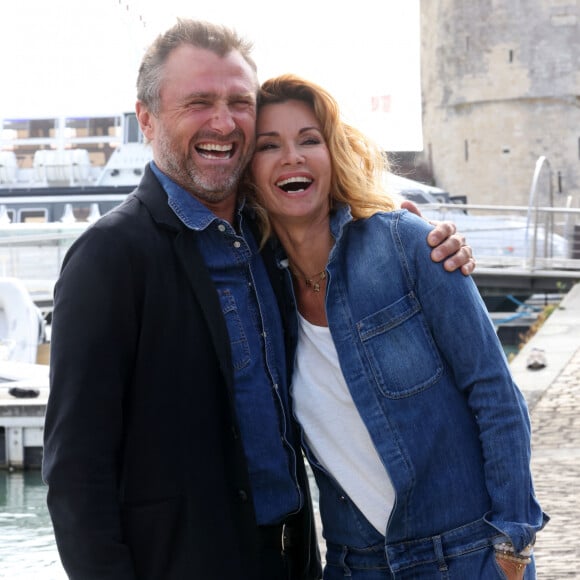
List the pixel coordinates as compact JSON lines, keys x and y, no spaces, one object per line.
{"x":534,"y":204}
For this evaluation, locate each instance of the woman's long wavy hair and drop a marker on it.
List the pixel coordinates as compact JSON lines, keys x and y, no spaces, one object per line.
{"x":357,"y":164}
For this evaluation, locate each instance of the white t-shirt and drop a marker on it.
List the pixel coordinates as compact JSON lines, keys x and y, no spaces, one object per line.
{"x":333,"y":428}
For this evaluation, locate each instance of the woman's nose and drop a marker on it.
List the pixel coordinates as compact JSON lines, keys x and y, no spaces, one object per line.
{"x":292,"y":156}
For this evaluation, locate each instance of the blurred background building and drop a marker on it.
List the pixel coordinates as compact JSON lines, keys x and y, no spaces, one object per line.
{"x":500,"y":88}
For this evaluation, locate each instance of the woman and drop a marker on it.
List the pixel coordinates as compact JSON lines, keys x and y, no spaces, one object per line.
{"x":417,"y":435}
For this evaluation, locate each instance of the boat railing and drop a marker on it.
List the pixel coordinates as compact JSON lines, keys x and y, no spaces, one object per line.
{"x":500,"y":236}
{"x":547,"y":237}
{"x":31,"y":251}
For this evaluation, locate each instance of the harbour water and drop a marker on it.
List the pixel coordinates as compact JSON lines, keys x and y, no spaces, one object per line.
{"x":27,"y":547}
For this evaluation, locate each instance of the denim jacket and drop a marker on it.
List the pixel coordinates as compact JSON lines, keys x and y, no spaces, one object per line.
{"x":429,"y":377}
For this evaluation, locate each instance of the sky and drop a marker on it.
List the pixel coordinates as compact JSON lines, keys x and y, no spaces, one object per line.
{"x":80,"y":57}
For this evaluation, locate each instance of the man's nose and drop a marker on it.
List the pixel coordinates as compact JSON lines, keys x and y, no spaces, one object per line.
{"x":222,"y":119}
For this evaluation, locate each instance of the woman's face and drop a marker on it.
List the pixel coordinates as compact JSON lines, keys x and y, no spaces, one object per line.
{"x":291,"y":166}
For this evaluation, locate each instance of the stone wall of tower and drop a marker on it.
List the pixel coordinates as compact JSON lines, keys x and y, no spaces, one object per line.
{"x":500,"y":88}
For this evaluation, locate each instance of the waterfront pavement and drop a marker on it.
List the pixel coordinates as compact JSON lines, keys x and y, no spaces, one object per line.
{"x":553,"y":396}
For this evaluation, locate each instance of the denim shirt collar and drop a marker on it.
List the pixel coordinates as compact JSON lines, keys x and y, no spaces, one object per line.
{"x":188,"y":209}
{"x":339,"y":219}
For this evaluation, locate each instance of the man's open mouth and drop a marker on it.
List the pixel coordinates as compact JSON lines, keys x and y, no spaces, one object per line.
{"x":215,"y":151}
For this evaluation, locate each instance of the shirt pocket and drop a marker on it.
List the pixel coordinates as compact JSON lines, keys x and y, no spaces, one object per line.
{"x":238,"y":340}
{"x":401,"y":353}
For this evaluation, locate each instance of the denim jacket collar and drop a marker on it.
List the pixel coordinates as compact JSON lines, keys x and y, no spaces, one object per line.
{"x":192,"y":213}
{"x":338,"y":221}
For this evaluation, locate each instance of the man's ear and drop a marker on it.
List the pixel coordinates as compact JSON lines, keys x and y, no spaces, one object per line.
{"x":144,"y":117}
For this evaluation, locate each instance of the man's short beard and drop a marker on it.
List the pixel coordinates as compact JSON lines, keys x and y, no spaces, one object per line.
{"x":221,"y":185}
{"x":212,"y":186}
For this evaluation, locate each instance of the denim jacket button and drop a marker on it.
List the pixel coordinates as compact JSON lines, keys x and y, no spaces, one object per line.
{"x":243,"y":496}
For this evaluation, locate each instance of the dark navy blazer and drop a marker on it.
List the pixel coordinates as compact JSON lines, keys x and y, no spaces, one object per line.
{"x":146,"y":471}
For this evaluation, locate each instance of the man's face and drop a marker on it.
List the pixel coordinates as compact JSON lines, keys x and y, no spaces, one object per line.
{"x":203,"y":136}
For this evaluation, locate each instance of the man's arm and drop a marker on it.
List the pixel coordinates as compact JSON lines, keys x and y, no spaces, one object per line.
{"x":448,"y":246}
{"x":91,"y":357}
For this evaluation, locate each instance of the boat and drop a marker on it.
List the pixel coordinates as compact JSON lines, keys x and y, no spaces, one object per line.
{"x":24,"y":349}
{"x":68,"y":169}
{"x":22,"y":327}
{"x":501,"y":235}
{"x":57,"y":176}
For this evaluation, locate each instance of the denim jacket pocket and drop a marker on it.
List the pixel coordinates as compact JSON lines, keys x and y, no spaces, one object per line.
{"x":239,"y":342}
{"x":400,"y":349}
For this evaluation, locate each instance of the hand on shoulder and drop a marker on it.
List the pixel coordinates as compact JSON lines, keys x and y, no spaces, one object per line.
{"x":448,"y":245}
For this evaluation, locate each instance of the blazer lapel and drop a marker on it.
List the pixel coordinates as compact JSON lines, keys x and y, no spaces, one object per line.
{"x":154,"y":197}
{"x":206,"y":294}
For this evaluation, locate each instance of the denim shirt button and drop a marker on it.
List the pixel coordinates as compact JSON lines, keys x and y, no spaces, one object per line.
{"x":342,"y":498}
{"x":243,"y":496}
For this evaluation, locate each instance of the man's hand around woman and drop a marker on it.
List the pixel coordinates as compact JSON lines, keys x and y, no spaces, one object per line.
{"x":448,"y":246}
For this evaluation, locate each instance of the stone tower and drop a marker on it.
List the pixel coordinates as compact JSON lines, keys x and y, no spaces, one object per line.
{"x":500,"y":88}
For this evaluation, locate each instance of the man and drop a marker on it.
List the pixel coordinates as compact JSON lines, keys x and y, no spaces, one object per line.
{"x":169,"y":449}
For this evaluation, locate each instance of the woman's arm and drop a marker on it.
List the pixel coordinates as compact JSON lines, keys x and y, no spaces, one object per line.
{"x":467,"y":340}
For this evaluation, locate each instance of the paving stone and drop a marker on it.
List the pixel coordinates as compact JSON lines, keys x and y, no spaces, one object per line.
{"x":556,"y":471}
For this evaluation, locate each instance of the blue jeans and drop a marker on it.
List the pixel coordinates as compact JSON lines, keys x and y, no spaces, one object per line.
{"x":357,"y":551}
{"x":371,"y":564}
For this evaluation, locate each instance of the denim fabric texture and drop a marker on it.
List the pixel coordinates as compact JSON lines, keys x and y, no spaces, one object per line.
{"x":429,"y":377}
{"x":371,"y":564}
{"x":465,"y":552}
{"x":257,"y":347}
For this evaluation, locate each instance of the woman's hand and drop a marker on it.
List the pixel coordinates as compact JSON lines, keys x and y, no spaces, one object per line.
{"x":512,"y":570}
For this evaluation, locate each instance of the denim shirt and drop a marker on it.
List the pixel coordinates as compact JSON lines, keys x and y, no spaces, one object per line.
{"x":253,"y":321}
{"x":429,"y":377}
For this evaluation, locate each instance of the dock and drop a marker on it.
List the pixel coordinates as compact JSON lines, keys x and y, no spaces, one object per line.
{"x":22,"y":418}
{"x":553,"y":396}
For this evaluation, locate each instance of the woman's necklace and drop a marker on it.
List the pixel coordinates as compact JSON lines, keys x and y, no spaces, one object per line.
{"x":315,"y":281}
{"x":312,"y":282}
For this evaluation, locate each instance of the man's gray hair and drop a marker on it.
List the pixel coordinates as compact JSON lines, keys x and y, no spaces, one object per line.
{"x":219,"y":39}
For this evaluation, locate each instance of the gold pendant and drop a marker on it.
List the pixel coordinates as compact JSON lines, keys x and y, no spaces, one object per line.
{"x":315,"y":285}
